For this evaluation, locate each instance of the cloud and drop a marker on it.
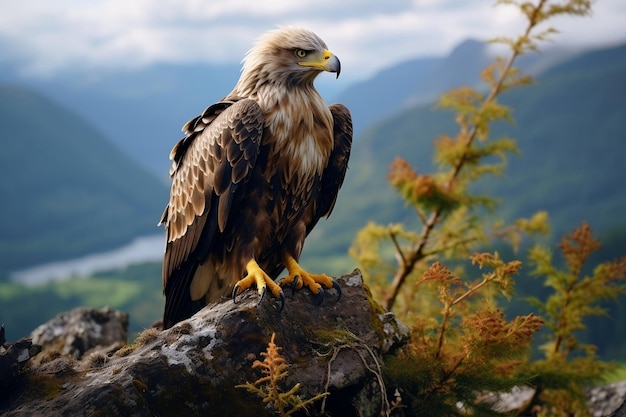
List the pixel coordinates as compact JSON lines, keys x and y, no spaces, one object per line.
{"x":47,"y":37}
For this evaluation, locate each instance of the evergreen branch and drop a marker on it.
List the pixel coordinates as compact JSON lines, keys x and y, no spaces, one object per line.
{"x":443,"y":329}
{"x":394,"y":239}
{"x":473,"y":289}
{"x":417,"y":252}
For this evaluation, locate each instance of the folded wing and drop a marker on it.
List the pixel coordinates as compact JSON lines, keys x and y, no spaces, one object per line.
{"x":210,"y":168}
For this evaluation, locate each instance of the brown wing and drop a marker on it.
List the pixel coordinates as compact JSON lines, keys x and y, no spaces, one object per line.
{"x":210,"y":166}
{"x":335,"y":171}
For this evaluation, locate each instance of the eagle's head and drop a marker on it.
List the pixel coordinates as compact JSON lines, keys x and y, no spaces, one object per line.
{"x":287,"y":56}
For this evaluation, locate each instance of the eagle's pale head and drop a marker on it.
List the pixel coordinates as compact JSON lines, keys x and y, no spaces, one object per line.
{"x":288,"y":56}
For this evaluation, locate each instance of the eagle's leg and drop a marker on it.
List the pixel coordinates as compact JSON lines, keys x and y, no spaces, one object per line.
{"x":299,"y":278}
{"x":256,"y":276}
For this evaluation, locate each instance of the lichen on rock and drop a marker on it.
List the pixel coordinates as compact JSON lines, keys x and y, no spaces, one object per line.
{"x":83,"y":330}
{"x":194,"y":367}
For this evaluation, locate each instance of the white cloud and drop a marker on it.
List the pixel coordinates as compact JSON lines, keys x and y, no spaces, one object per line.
{"x":47,"y":37}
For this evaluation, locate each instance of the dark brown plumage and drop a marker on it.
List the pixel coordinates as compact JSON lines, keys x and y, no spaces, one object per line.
{"x":252,"y":176}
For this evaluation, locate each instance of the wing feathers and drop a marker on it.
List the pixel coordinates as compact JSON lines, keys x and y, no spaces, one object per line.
{"x":223,"y":211}
{"x":209,"y":164}
{"x":222,"y":177}
{"x":335,"y":171}
{"x":198,"y":200}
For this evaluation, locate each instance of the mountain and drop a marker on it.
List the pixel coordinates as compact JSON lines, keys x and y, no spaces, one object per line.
{"x":415,"y":81}
{"x":422,"y":80}
{"x":143,"y":110}
{"x":386,"y":92}
{"x":66,"y":189}
{"x":569,"y":126}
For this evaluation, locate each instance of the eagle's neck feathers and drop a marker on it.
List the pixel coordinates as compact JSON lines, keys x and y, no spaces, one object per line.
{"x":298,"y":122}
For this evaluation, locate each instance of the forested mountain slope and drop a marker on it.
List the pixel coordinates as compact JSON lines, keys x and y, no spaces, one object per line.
{"x":66,"y":189}
{"x":569,"y":126}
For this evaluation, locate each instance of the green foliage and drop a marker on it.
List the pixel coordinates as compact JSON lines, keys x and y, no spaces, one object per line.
{"x":465,"y":346}
{"x":274,"y":368}
{"x":450,"y":213}
{"x":462,"y":344}
{"x":568,"y":365}
{"x":558,"y":171}
{"x":136,"y":290}
{"x":616,"y":374}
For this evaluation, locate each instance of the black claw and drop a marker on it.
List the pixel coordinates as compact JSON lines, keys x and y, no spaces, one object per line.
{"x":263,"y":291}
{"x":319,"y":297}
{"x":294,"y":284}
{"x":234,"y":294}
{"x":282,"y":301}
{"x":338,"y":289}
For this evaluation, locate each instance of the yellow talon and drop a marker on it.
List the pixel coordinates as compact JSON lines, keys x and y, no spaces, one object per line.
{"x":298,"y":278}
{"x":256,"y":276}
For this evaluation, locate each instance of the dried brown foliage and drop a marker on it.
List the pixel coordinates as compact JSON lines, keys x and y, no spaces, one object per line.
{"x":274,"y":369}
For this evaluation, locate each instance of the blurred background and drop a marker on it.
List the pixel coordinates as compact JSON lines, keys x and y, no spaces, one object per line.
{"x":93,"y":96}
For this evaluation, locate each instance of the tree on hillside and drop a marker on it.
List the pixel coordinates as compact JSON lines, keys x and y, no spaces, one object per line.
{"x":461,"y":343}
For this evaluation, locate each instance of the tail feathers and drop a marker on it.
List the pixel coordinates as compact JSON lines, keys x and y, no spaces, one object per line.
{"x":178,"y":303}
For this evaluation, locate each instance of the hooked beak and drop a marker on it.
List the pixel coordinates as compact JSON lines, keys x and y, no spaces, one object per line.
{"x":326,"y":61}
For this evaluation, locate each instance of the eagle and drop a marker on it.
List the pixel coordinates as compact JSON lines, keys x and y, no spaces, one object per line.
{"x":252,"y":176}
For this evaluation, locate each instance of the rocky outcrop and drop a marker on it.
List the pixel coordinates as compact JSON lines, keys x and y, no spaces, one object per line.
{"x":194,"y":367}
{"x":83,"y":330}
{"x":13,"y":358}
{"x":79,"y":364}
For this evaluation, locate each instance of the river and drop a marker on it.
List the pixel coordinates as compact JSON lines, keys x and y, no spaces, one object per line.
{"x":142,"y":249}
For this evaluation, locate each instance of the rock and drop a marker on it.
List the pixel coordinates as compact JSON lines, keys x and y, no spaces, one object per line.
{"x":83,"y":330}
{"x":621,"y":410}
{"x":607,"y":399}
{"x":194,"y":367}
{"x":13,"y":358}
{"x":603,"y":401}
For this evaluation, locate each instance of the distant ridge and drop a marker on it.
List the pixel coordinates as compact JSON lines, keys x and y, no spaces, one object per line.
{"x":66,"y":189}
{"x":569,"y":126}
{"x":143,"y":110}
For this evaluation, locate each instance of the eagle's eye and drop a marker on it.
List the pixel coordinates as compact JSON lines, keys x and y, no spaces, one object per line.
{"x":300,"y":53}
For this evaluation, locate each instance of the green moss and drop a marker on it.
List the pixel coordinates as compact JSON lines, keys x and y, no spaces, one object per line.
{"x":376,"y":307}
{"x":43,"y":386}
{"x":126,"y":350}
{"x":376,"y":310}
{"x":147,"y":336}
{"x":617,"y":374}
{"x":333,"y":337}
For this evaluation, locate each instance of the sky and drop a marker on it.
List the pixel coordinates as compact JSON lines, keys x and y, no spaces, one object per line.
{"x":48,"y":37}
